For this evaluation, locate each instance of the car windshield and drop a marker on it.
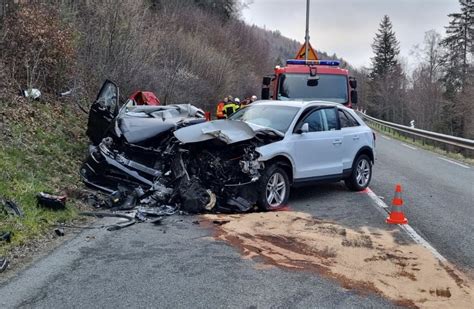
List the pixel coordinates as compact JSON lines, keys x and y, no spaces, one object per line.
{"x":328,"y":87}
{"x":275,"y":117}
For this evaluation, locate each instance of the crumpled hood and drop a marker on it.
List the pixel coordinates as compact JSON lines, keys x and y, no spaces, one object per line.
{"x":228,"y":131}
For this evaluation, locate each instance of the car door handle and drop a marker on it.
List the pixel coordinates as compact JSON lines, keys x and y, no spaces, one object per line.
{"x":355,"y":137}
{"x":337,"y":142}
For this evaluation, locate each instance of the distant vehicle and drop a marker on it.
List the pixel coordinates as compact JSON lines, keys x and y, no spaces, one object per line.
{"x":311,"y":80}
{"x":322,"y":142}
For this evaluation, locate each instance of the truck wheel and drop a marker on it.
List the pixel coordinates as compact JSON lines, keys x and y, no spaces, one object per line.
{"x":274,"y":188}
{"x":361,"y":174}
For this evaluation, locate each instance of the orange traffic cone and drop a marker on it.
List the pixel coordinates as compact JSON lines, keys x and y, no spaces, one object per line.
{"x":396,"y":214}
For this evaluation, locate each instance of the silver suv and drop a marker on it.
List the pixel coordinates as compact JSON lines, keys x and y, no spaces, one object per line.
{"x":322,"y":142}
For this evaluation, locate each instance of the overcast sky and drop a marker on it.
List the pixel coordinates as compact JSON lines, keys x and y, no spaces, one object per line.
{"x":347,"y":27}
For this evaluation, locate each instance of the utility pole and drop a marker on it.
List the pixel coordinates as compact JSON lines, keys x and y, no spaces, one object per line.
{"x":306,"y":38}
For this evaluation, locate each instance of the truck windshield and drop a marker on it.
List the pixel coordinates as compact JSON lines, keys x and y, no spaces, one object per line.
{"x":276,"y":117}
{"x":329,"y":87}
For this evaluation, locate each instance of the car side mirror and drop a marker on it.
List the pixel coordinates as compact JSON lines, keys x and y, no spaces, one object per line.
{"x":354,"y":98}
{"x":353,"y":83}
{"x":304,"y":128}
{"x":312,"y":81}
{"x":266,"y":93}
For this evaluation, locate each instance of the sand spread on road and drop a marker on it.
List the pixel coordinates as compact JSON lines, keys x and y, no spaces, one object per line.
{"x":366,"y":259}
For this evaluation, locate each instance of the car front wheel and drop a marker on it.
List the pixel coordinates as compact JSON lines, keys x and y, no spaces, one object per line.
{"x":361,"y":174}
{"x":274,"y":188}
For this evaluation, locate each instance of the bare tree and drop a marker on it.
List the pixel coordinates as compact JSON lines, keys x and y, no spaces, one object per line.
{"x":426,"y":101}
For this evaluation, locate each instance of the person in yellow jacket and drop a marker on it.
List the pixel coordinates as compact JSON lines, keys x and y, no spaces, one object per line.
{"x":220,"y":112}
{"x":231,"y":107}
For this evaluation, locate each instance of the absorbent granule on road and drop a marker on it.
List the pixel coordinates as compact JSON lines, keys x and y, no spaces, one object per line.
{"x":367,"y":259}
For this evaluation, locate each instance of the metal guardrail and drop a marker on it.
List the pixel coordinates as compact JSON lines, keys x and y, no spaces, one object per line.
{"x":463,"y":143}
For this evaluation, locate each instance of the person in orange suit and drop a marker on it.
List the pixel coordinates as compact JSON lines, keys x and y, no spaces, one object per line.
{"x":220,"y":113}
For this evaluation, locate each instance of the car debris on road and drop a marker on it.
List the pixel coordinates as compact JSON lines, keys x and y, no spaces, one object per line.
{"x":3,"y":263}
{"x":9,"y":207}
{"x":48,"y":200}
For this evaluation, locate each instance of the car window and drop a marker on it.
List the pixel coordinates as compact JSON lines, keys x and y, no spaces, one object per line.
{"x":108,"y":96}
{"x":315,"y":121}
{"x":331,"y":118}
{"x":354,"y":121}
{"x":323,"y":119}
{"x":347,"y":120}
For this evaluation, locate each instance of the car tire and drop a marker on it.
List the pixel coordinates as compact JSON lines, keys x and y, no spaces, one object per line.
{"x":361,"y":174}
{"x":274,"y":188}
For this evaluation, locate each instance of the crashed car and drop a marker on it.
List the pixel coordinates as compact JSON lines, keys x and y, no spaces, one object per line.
{"x":170,"y":155}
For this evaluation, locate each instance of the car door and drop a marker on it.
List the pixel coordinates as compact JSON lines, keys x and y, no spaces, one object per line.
{"x":351,"y":139}
{"x":317,"y":153}
{"x":103,"y":111}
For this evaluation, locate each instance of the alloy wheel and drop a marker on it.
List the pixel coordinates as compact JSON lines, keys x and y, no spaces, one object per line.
{"x":363,"y":172}
{"x":276,"y":190}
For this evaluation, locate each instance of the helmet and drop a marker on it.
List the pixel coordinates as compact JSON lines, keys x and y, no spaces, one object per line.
{"x":237,"y":100}
{"x":253,"y":98}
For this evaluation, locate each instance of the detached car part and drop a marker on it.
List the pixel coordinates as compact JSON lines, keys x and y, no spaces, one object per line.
{"x":3,"y":264}
{"x":48,"y":200}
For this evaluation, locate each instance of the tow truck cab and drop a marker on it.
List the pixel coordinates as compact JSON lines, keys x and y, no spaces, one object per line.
{"x":311,"y":80}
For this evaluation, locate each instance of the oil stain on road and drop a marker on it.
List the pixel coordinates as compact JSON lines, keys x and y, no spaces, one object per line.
{"x":366,"y":259}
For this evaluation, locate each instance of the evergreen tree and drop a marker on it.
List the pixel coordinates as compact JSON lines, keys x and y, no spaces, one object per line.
{"x":386,"y":49}
{"x":459,"y":45}
{"x":387,"y":79}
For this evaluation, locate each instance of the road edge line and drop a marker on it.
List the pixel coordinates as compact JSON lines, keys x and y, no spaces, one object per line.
{"x":408,"y":146}
{"x":454,"y":162}
{"x":406,"y":227}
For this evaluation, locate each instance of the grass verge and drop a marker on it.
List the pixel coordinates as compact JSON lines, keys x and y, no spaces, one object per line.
{"x":41,"y":148}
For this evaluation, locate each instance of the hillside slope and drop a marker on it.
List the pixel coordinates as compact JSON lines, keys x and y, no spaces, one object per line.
{"x":41,"y":148}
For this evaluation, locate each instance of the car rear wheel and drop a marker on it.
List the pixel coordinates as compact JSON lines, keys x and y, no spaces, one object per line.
{"x":274,"y":188}
{"x":361,"y":174}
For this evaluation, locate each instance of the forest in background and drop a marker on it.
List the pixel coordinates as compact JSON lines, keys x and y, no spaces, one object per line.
{"x":186,"y":51}
{"x":198,"y":51}
{"x":438,"y":93}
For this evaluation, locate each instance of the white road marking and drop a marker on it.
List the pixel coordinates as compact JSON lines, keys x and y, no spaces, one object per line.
{"x":420,"y":240}
{"x":408,"y":146}
{"x":386,"y":137}
{"x":376,"y":199}
{"x":407,"y":228}
{"x":453,"y":162}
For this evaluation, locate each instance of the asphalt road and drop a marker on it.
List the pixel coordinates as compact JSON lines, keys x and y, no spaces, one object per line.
{"x":179,"y":264}
{"x":438,"y":195}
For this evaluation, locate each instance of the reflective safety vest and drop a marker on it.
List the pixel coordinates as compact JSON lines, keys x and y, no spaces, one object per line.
{"x":220,"y":110}
{"x":230,"y":108}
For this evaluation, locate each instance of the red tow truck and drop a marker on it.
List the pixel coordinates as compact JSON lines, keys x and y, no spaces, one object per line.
{"x":307,"y":80}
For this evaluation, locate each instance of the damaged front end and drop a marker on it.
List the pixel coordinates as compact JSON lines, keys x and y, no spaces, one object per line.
{"x":205,"y":167}
{"x":220,"y":158}
{"x":227,"y":171}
